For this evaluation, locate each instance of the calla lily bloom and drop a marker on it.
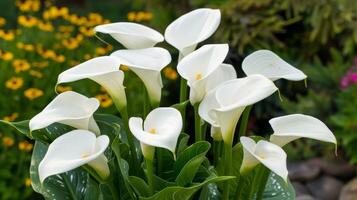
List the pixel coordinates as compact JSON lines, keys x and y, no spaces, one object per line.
{"x":270,"y":155}
{"x":161,"y":128}
{"x":192,"y":28}
{"x":68,"y":108}
{"x":291,"y":127}
{"x":204,"y":66}
{"x":223,"y":106}
{"x":147,"y":64}
{"x":103,"y":70}
{"x":270,"y":65}
{"x":72,"y":150}
{"x":131,"y":35}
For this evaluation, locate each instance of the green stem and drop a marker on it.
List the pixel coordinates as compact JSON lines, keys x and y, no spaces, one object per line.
{"x":244,"y":122}
{"x":113,"y":190}
{"x":183,"y":97}
{"x":228,"y":163}
{"x":239,"y":187}
{"x":150,"y":175}
{"x":216,"y":152}
{"x":204,"y":130}
{"x":198,"y":134}
{"x":262,"y":182}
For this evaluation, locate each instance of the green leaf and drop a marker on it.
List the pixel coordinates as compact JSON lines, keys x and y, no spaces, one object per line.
{"x":184,"y":193}
{"x":74,"y":184}
{"x":139,"y":186}
{"x":277,"y":189}
{"x":181,"y":106}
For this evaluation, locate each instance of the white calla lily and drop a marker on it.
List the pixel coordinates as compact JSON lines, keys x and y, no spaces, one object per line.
{"x":72,"y":150}
{"x":147,"y":64}
{"x":291,"y":127}
{"x":161,"y":128}
{"x":199,"y":68}
{"x":270,"y":155}
{"x":68,"y":108}
{"x":270,"y":65}
{"x":131,"y":35}
{"x":105,"y":71}
{"x":223,"y":106}
{"x":192,"y":28}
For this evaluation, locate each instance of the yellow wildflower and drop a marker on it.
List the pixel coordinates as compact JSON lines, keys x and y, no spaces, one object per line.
{"x":60,"y":58}
{"x":33,"y":93}
{"x":71,"y":43}
{"x":25,"y":146}
{"x":61,"y":89}
{"x":28,"y":182}
{"x":20,"y":65}
{"x":11,"y":117}
{"x":65,"y":29}
{"x":100,"y":51}
{"x":7,"y":56}
{"x":87,"y":31}
{"x":28,"y":5}
{"x":131,"y":16}
{"x":87,"y":56}
{"x":170,"y":73}
{"x":94,"y":19}
{"x":27,"y":21}
{"x":8,"y":141}
{"x":36,"y":74}
{"x":105,"y":100}
{"x":45,"y":26}
{"x":48,"y":54}
{"x":14,"y":83}
{"x":7,"y":35}
{"x":2,"y":21}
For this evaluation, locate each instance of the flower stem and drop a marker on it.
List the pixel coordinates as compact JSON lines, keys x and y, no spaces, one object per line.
{"x":150,"y":175}
{"x":198,"y":134}
{"x":228,"y":163}
{"x":183,"y":97}
{"x":263,"y":179}
{"x":244,"y":122}
{"x":113,"y":190}
{"x":216,"y":152}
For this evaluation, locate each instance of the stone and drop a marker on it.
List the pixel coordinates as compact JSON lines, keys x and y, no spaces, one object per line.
{"x":325,"y":188}
{"x":300,"y":189}
{"x":349,"y":191}
{"x":305,"y":197}
{"x":337,"y":168}
{"x":302,"y":171}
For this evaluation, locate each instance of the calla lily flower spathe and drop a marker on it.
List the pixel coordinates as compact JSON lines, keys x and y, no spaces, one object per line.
{"x":291,"y":127}
{"x":192,"y":28}
{"x":270,"y":155}
{"x":203,"y":70}
{"x":161,"y":128}
{"x":131,"y":35}
{"x":270,"y":65}
{"x":72,"y":150}
{"x":147,"y":64}
{"x":68,"y":108}
{"x":223,"y":106}
{"x":103,"y":70}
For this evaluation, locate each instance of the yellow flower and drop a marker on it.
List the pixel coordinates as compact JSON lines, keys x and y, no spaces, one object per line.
{"x":11,"y":117}
{"x":87,"y":31}
{"x":87,"y":56}
{"x":36,"y":74}
{"x":2,"y":21}
{"x":27,"y":21}
{"x":14,"y":83}
{"x":28,"y":182}
{"x":28,"y":5}
{"x":8,"y":141}
{"x":105,"y":100}
{"x":42,"y":64}
{"x":170,"y":73}
{"x":71,"y":43}
{"x":25,"y":146}
{"x":6,"y":56}
{"x":20,"y":65}
{"x":60,"y":58}
{"x":48,"y":54}
{"x":131,"y":16}
{"x":100,"y":51}
{"x":33,"y":93}
{"x":45,"y":26}
{"x":61,"y":89}
{"x":7,"y":35}
{"x":65,"y":29}
{"x":95,"y":19}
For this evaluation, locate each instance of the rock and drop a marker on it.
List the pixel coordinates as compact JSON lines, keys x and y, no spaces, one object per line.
{"x":300,"y":189}
{"x":349,"y":191}
{"x":305,"y":197}
{"x":325,"y":187}
{"x":302,"y":171}
{"x":336,"y":168}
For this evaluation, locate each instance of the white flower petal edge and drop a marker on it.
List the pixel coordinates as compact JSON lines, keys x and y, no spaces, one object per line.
{"x":192,"y":28}
{"x":105,"y":71}
{"x":72,"y":150}
{"x":199,"y":65}
{"x":223,"y":106}
{"x":270,"y":65}
{"x":291,"y":127}
{"x":161,"y":128}
{"x":147,"y":64}
{"x":131,"y":35}
{"x":68,"y":108}
{"x":270,"y":155}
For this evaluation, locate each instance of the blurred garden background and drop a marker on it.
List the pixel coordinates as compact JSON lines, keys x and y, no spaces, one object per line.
{"x":41,"y":38}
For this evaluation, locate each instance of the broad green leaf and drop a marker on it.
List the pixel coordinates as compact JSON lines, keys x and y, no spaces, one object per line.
{"x":139,"y":186}
{"x":181,"y":106}
{"x":184,"y":193}
{"x":182,"y":143}
{"x":277,"y":189}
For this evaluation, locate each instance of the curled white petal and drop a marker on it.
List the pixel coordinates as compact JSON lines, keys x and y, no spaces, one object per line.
{"x":68,"y":108}
{"x":147,"y":64}
{"x":72,"y":150}
{"x":161,"y":128}
{"x":192,"y":28}
{"x":104,"y":70}
{"x":291,"y":127}
{"x":131,"y":35}
{"x":270,"y":65}
{"x":270,"y":155}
